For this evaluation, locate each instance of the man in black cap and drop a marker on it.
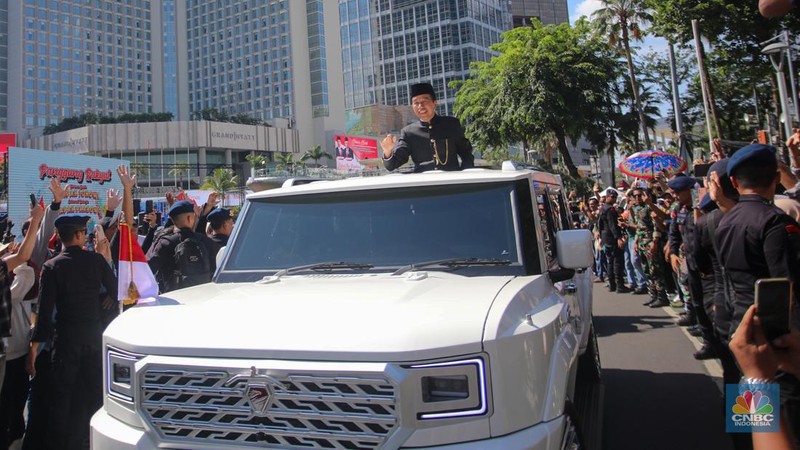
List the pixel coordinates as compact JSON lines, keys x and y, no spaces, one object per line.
{"x":221,"y":223}
{"x":756,"y":239}
{"x":683,"y":249}
{"x":434,"y":143}
{"x":183,"y":258}
{"x":70,"y":286}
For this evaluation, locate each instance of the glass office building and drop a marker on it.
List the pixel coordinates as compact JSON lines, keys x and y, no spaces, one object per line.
{"x":78,"y":56}
{"x":388,"y":45}
{"x":548,"y":11}
{"x":267,"y":59}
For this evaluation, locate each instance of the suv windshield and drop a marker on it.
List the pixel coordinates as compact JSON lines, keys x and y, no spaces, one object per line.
{"x":383,"y":228}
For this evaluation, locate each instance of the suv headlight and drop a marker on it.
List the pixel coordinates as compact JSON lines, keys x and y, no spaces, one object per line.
{"x":452,"y":389}
{"x":120,"y":371}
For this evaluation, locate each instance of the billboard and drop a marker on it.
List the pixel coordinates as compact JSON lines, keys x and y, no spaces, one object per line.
{"x":352,"y":149}
{"x":88,"y":177}
{"x":7,"y":140}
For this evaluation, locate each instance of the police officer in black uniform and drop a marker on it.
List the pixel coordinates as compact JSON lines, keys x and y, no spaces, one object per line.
{"x":434,"y":143}
{"x":70,"y":285}
{"x":756,"y":240}
{"x":162,"y":257}
{"x":682,"y":233}
{"x":221,"y":222}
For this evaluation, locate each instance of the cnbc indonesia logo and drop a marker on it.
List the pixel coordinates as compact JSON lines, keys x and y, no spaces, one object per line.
{"x":752,"y":410}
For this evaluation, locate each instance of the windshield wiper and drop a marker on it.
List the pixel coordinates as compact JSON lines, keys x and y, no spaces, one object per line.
{"x":326,"y":266}
{"x":454,"y":262}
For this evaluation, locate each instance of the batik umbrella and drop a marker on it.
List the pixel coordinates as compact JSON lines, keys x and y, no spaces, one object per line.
{"x":648,"y":164}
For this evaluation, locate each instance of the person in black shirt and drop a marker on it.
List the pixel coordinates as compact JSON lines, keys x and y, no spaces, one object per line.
{"x":70,"y":287}
{"x":611,"y":235}
{"x":164,"y":257}
{"x":756,"y":239}
{"x":221,"y":226}
{"x":434,"y":143}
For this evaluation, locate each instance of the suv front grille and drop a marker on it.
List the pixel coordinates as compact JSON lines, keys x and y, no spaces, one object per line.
{"x":307,"y":410}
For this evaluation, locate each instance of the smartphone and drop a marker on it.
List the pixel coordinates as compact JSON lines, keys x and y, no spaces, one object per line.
{"x":774,"y":306}
{"x":701,"y":170}
{"x":148,"y":206}
{"x":33,"y":199}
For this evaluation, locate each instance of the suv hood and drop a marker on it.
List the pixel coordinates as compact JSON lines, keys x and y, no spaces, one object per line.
{"x":418,"y":316}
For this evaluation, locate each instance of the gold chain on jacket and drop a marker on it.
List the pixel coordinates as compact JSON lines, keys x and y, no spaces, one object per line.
{"x":436,"y":152}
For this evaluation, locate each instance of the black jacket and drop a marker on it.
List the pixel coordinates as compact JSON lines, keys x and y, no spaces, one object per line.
{"x":756,"y":239}
{"x":707,"y":261}
{"x":71,"y":284}
{"x":162,"y":255}
{"x":608,"y":224}
{"x":676,"y":229}
{"x":443,"y":136}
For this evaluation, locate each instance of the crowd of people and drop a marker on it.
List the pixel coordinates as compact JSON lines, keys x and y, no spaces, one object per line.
{"x":701,"y":244}
{"x":58,"y":292}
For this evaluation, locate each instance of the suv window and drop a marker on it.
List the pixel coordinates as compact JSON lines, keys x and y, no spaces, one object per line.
{"x":552,"y":219}
{"x":384,"y":228}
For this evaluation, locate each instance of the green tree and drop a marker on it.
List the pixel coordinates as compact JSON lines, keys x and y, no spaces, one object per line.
{"x":286,"y":161}
{"x":316,"y":153}
{"x":656,"y":74}
{"x":734,"y":29}
{"x":222,"y":180}
{"x":178,"y":169}
{"x":546,"y":82}
{"x":70,"y":123}
{"x":621,"y":21}
{"x":256,"y":160}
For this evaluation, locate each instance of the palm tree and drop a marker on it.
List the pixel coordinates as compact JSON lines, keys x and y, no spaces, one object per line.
{"x":256,"y":161}
{"x":316,"y":154}
{"x":285,"y":161}
{"x":620,"y":21}
{"x":178,"y":169}
{"x":221,"y":181}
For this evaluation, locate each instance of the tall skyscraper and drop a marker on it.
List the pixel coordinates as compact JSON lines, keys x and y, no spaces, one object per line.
{"x":69,"y":57}
{"x":3,"y":63}
{"x":387,"y":45}
{"x":268,"y":59}
{"x":550,"y":12}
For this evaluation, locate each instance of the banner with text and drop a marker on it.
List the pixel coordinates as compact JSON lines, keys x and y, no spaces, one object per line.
{"x":88,"y":177}
{"x":351,"y":149}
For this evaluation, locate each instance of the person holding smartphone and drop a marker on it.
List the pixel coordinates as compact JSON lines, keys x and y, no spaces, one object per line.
{"x":756,"y":240}
{"x":760,"y":361}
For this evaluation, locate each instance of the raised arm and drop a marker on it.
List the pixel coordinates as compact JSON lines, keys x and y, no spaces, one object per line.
{"x":26,"y":249}
{"x":128,"y":182}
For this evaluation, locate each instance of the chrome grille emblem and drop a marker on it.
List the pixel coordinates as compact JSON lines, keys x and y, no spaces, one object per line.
{"x":258,"y":389}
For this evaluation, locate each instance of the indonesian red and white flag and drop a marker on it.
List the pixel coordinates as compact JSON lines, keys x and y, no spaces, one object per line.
{"x":136,"y":284}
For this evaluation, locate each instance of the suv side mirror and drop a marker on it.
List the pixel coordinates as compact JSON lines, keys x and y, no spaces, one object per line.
{"x":574,"y":249}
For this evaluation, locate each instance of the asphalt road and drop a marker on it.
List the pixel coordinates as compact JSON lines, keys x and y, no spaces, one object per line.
{"x":657,"y":396}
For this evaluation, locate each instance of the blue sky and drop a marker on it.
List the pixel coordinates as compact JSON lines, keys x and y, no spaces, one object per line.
{"x":579,"y":8}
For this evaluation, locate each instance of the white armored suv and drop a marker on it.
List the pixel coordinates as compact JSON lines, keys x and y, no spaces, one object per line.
{"x":437,"y":310}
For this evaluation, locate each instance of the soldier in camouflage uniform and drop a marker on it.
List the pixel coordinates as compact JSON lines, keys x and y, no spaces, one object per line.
{"x":649,"y":245}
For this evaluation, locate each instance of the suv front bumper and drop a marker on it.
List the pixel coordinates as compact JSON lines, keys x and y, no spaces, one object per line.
{"x":109,"y":433}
